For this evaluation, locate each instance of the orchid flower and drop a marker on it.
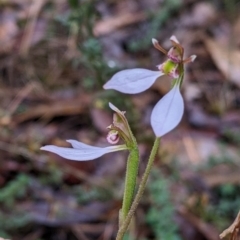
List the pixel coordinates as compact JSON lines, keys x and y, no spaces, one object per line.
{"x":137,"y":80}
{"x":168,"y":112}
{"x":119,"y":129}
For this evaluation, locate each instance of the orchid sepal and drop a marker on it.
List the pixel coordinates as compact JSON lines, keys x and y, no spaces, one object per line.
{"x":81,"y":151}
{"x":120,"y":124}
{"x":133,"y":81}
{"x":168,"y":112}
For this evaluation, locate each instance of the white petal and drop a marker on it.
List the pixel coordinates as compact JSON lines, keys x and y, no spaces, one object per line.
{"x":82,"y":154}
{"x":173,"y":38}
{"x":115,"y":109}
{"x":168,"y":112}
{"x":193,"y":57}
{"x":75,"y":154}
{"x":79,"y":145}
{"x":133,"y":80}
{"x":154,"y":41}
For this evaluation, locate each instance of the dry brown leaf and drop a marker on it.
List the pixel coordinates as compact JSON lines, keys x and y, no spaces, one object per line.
{"x":58,"y":108}
{"x":163,"y":85}
{"x":101,"y":119}
{"x":90,"y":228}
{"x":61,"y":210}
{"x":194,"y":147}
{"x":206,"y":229}
{"x":202,"y":14}
{"x":33,"y":13}
{"x":226,"y":59}
{"x":112,"y":23}
{"x":221,"y":175}
{"x":236,"y":31}
{"x":233,"y":230}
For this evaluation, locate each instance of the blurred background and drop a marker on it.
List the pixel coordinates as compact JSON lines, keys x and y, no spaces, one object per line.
{"x":55,"y":56}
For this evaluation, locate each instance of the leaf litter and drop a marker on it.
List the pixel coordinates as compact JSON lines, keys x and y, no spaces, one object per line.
{"x":49,"y":91}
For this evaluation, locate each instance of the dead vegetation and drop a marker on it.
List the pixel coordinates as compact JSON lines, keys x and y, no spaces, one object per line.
{"x":55,"y":55}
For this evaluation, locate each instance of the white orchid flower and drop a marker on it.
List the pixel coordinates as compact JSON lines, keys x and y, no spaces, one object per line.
{"x":168,"y":112}
{"x":119,"y":129}
{"x":137,"y":80}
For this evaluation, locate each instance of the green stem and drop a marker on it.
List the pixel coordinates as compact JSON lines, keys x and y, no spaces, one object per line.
{"x":181,"y":70}
{"x":126,"y":222}
{"x":130,"y":182}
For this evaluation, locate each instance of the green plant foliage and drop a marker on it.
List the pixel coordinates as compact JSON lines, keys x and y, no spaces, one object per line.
{"x":128,"y":236}
{"x":225,"y":208}
{"x":3,"y":234}
{"x":73,"y":3}
{"x":157,"y":20}
{"x":13,"y":190}
{"x":13,"y":222}
{"x":229,"y":202}
{"x":92,"y":58}
{"x":224,"y":203}
{"x":232,"y":136}
{"x":53,"y":175}
{"x":84,"y":195}
{"x":160,"y":215}
{"x":80,"y":22}
{"x":217,"y":160}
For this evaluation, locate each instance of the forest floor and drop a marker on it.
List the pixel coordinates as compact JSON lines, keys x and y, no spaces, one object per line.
{"x":55,"y":56}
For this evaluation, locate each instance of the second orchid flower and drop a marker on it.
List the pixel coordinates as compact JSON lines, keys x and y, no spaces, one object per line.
{"x":119,"y":129}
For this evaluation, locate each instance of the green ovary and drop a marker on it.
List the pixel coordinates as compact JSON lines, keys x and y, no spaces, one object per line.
{"x":169,"y":66}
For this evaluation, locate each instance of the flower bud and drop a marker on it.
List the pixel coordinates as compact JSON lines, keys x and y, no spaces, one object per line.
{"x":121,"y":127}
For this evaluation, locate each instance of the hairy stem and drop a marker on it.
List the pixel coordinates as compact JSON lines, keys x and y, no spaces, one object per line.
{"x":130,"y":182}
{"x":126,"y":222}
